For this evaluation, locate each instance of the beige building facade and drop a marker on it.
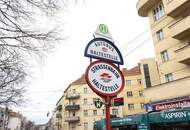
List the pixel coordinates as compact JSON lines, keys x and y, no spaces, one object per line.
{"x":133,"y":92}
{"x":170,"y":26}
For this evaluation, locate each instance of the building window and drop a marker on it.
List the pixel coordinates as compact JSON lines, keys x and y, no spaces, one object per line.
{"x":164,"y":55}
{"x":142,"y":106}
{"x":169,"y":77}
{"x":95,"y":112}
{"x":85,"y":112}
{"x":141,"y":93}
{"x":129,"y":93}
{"x":85,"y":90}
{"x":103,"y":112}
{"x":139,"y":82}
{"x":147,"y":75}
{"x":158,"y":12}
{"x":160,"y":35}
{"x":85,"y":125}
{"x":115,"y":111}
{"x":94,"y":100}
{"x":131,"y":106}
{"x":85,"y":101}
{"x":74,"y":91}
{"x":128,"y":82}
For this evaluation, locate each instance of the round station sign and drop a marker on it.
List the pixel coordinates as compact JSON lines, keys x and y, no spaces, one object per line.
{"x":104,"y":78}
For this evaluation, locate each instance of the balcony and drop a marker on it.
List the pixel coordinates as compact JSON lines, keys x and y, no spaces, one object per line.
{"x":72,"y":95}
{"x":181,"y":29}
{"x":169,"y":90}
{"x":72,"y":119}
{"x":183,"y":54}
{"x":143,"y":6}
{"x":58,"y":115}
{"x":59,"y":108}
{"x":175,"y":8}
{"x":72,"y":107}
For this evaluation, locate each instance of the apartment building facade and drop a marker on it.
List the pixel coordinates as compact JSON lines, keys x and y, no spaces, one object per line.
{"x":170,"y":27}
{"x":133,"y":92}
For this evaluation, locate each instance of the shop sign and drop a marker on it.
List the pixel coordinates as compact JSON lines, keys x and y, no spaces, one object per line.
{"x":104,"y":78}
{"x":100,"y":48}
{"x":175,"y":115}
{"x":172,"y":105}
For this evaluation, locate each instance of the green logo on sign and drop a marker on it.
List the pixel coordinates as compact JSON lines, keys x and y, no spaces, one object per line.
{"x":98,"y":103}
{"x":103,"y":28}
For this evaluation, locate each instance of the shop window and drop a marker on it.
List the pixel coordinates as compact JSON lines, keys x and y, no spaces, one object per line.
{"x":158,"y":12}
{"x":169,"y":77}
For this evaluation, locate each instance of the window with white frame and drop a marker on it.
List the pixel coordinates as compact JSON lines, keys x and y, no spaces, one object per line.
{"x":85,"y":112}
{"x":95,"y":112}
{"x":169,"y":77}
{"x":129,"y":93}
{"x":85,"y":125}
{"x":160,"y":35}
{"x":131,"y":106}
{"x":141,"y":93}
{"x":158,"y":12}
{"x":139,"y":82}
{"x":115,"y":111}
{"x":85,"y":102}
{"x":164,"y":56}
{"x":128,"y":82}
{"x":142,"y":106}
{"x":85,"y":90}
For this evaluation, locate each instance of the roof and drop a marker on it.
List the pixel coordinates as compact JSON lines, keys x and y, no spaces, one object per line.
{"x":79,"y":81}
{"x":133,"y":71}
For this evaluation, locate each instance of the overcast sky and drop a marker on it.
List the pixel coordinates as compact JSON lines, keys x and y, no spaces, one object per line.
{"x":67,"y":63}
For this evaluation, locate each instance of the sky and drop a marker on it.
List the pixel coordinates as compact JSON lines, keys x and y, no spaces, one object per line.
{"x":67,"y":63}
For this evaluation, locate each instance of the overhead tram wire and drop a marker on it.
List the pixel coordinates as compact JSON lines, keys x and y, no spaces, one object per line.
{"x":134,"y":39}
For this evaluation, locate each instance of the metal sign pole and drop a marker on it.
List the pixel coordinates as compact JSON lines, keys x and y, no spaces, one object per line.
{"x":108,"y":122}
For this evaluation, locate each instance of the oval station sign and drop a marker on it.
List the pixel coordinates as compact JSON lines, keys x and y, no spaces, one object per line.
{"x":104,"y":78}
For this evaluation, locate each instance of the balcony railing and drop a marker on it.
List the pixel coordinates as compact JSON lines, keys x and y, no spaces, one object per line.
{"x":72,"y":95}
{"x":72,"y":107}
{"x":183,"y":54}
{"x":72,"y":119}
{"x":58,"y":115}
{"x":181,"y":28}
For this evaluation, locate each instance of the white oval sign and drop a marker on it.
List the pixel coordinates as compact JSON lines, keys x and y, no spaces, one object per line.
{"x":104,"y":78}
{"x":100,"y":48}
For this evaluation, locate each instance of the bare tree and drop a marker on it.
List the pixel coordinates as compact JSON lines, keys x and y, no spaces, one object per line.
{"x":19,"y":39}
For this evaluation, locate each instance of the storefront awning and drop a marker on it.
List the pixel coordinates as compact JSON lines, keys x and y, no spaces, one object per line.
{"x":170,"y":116}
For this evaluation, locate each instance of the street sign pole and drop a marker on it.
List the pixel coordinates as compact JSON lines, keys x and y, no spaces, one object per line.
{"x":108,"y":122}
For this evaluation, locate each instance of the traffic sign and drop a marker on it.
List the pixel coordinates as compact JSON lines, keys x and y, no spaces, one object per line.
{"x":104,"y":78}
{"x":98,"y":103}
